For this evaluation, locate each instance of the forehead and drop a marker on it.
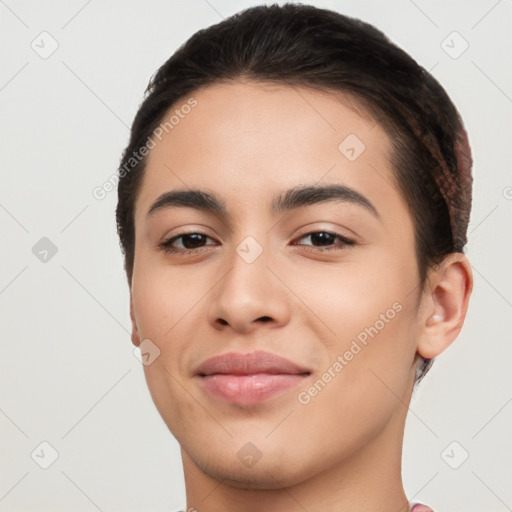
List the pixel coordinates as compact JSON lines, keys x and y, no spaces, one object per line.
{"x":249,"y":140}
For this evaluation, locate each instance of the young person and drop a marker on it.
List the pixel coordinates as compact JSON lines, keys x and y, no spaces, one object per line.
{"x":292,"y":208}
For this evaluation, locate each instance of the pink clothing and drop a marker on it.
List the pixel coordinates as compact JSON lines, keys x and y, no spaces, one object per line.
{"x":418,"y":507}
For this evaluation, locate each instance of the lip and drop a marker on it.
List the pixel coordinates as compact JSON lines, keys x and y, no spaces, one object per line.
{"x":237,"y":363}
{"x":247,"y":379}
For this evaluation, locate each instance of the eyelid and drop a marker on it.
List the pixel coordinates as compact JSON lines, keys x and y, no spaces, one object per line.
{"x":329,"y":227}
{"x":187,"y":229}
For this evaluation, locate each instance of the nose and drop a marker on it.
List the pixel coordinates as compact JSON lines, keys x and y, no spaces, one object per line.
{"x":249,"y":295}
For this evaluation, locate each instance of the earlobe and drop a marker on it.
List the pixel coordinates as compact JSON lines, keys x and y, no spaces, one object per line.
{"x":449,"y":290}
{"x":135,"y":330}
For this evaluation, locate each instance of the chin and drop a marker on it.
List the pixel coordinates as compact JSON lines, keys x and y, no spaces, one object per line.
{"x":262,"y":476}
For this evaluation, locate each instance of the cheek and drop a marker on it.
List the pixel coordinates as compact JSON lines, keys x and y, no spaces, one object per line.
{"x":368,"y":315}
{"x":367,"y":378}
{"x":350,"y":296}
{"x":164,"y":308}
{"x":162,"y":298}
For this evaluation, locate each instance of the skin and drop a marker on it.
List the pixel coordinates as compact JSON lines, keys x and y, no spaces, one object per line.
{"x":245,"y":142}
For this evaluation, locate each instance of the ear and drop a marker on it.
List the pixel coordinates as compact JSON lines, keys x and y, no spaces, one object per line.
{"x":444,"y":304}
{"x":135,"y":330}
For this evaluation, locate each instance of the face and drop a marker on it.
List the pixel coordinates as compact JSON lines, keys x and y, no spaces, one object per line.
{"x":327,"y":281}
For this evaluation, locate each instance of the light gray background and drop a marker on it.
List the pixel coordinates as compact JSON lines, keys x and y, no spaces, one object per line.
{"x":68,"y":375}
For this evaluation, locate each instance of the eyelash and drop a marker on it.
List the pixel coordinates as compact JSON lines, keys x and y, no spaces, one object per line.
{"x":167,"y":247}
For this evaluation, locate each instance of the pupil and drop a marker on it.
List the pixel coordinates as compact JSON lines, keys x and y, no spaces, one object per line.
{"x":322,"y":236}
{"x":197,"y":239}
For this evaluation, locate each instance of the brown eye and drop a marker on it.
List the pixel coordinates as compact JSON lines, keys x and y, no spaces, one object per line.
{"x":190,"y":243}
{"x":327,"y":238}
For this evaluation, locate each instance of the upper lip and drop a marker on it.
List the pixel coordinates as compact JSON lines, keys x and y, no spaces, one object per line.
{"x":237,"y":363}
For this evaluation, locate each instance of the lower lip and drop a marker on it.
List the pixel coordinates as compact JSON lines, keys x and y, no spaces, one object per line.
{"x":249,"y":389}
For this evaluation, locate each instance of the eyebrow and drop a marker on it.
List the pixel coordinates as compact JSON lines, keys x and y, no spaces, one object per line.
{"x":291,"y":199}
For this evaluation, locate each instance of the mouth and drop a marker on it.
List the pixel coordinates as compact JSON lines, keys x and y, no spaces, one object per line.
{"x":248,"y":379}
